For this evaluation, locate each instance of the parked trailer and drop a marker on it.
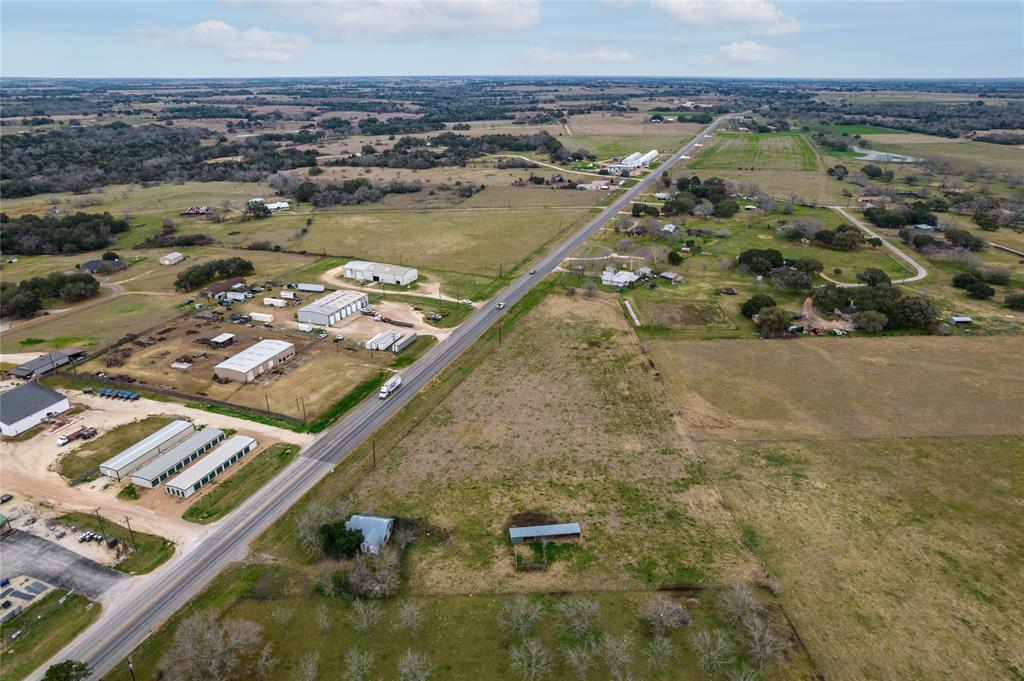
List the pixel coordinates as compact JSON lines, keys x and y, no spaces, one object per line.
{"x":312,"y":288}
{"x":305,"y":327}
{"x":383,"y":341}
{"x":390,"y":386}
{"x":275,"y":302}
{"x":261,"y":317}
{"x":403,"y":342}
{"x":407,"y":325}
{"x":287,"y":295}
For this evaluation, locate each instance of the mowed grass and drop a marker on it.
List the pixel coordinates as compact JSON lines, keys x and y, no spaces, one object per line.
{"x":961,"y":154}
{"x":900,"y":557}
{"x":92,"y":453}
{"x":756,"y":151}
{"x":45,"y":628}
{"x":151,"y":553}
{"x":224,"y":495}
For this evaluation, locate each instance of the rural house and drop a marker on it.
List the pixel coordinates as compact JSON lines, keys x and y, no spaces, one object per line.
{"x":376,"y":531}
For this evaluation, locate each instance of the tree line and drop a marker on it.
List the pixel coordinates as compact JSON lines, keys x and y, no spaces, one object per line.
{"x":30,"y":295}
{"x":214,"y":270}
{"x":66,"y":234}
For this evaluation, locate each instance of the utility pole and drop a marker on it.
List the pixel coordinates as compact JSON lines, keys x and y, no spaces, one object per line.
{"x":303,"y":401}
{"x":267,"y":399}
{"x":373,"y":446}
{"x":100,"y":521}
{"x":130,"y":533}
{"x":131,"y":668}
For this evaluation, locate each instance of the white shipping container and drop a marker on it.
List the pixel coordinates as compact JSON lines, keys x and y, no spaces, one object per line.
{"x":261,"y":317}
{"x":290,"y":295}
{"x":315,"y":288}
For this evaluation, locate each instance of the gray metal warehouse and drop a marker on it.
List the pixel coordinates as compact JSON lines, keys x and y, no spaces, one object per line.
{"x":377,"y":271}
{"x":333,"y":307}
{"x":255,"y":360}
{"x":177,"y":457}
{"x":210,"y":466}
{"x":145,"y":450}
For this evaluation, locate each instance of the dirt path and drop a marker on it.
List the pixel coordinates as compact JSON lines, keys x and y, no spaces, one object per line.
{"x":919,"y":271}
{"x":554,"y":167}
{"x":812,"y":319}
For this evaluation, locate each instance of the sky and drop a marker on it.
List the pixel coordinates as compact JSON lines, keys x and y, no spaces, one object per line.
{"x":684,"y":38}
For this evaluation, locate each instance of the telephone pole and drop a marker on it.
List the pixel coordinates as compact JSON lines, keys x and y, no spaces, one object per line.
{"x":100,"y":521}
{"x":130,"y":533}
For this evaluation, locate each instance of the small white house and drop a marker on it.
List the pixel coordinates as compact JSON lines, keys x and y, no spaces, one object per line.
{"x":172,"y":258}
{"x":663,"y":196}
{"x":619,"y":279}
{"x":27,"y":405}
{"x":376,"y":531}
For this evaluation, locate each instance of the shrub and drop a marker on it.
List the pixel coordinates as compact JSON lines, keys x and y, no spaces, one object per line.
{"x":981,"y":290}
{"x":1015,"y":301}
{"x":756,"y":303}
{"x":870,"y":321}
{"x":339,"y":542}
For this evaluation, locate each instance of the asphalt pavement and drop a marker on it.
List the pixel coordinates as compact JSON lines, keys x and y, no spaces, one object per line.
{"x":22,"y":553}
{"x":151,"y":599}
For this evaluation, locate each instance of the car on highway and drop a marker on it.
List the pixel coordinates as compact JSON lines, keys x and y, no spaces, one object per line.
{"x":501,"y":306}
{"x":533,"y":271}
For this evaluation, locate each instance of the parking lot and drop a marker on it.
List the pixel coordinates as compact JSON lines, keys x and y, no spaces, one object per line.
{"x":22,"y":553}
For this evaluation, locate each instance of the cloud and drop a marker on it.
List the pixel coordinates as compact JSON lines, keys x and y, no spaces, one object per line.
{"x":745,"y":51}
{"x":753,"y":17}
{"x":251,"y":44}
{"x":603,"y":55}
{"x":369,"y":19}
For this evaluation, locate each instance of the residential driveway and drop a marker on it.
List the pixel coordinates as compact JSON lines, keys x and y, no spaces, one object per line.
{"x":24,"y":554}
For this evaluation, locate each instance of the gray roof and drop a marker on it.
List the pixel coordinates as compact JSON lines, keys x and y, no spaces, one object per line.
{"x":25,"y":400}
{"x":560,"y":530}
{"x":255,"y":355}
{"x":46,"y":362}
{"x":172,"y":456}
{"x":374,"y":528}
{"x":333,"y":302}
{"x":224,"y":451}
{"x":155,"y":439}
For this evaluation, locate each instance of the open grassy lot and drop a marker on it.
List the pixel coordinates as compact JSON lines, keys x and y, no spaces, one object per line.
{"x":964,"y":154}
{"x":92,"y":453}
{"x":45,"y":628}
{"x":223,"y":495}
{"x":151,"y":551}
{"x":900,"y":557}
{"x":755,"y":151}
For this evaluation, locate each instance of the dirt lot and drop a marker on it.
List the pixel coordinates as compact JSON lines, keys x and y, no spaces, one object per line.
{"x":302,"y":376}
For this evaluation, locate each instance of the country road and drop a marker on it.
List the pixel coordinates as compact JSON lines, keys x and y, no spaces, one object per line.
{"x":919,"y":271}
{"x":143,"y":604}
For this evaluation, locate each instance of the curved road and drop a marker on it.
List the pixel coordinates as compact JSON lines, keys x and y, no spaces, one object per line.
{"x":919,"y":271}
{"x":148,"y":601}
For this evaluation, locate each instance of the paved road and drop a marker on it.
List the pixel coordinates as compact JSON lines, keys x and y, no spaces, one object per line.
{"x":150,"y":600}
{"x":22,"y":553}
{"x":919,"y":271}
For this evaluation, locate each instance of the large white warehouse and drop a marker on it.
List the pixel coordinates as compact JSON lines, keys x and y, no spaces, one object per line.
{"x":177,"y":457}
{"x":374,"y":271}
{"x":333,"y":307}
{"x":255,"y":360}
{"x":27,"y":405}
{"x":210,"y":466}
{"x":145,"y":450}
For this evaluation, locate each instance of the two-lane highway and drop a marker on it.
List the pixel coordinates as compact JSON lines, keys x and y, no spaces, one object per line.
{"x":150,"y":600}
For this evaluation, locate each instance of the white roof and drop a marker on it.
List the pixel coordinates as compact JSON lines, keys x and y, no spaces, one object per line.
{"x":174,"y":255}
{"x":333,"y":302}
{"x":172,"y":456}
{"x":255,"y":355}
{"x":632,"y":158}
{"x":147,"y":443}
{"x":374,"y":528}
{"x":193,"y":474}
{"x":379,"y":268}
{"x":223,"y":338}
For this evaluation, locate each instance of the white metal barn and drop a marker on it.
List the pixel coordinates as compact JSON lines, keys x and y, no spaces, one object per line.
{"x":145,"y":450}
{"x":255,"y":360}
{"x":172,"y":258}
{"x":333,"y":307}
{"x":363,"y":271}
{"x":647,"y":158}
{"x":210,"y":466}
{"x":177,"y":457}
{"x":27,"y":405}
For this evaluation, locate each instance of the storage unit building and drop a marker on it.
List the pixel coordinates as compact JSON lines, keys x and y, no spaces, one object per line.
{"x":255,"y":360}
{"x":172,"y":258}
{"x":27,"y":405}
{"x":145,"y":450}
{"x":383,"y":340}
{"x":333,"y":307}
{"x":192,"y":479}
{"x":177,"y":457}
{"x":363,"y":271}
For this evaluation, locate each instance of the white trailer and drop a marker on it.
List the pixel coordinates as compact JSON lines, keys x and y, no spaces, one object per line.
{"x":261,"y":317}
{"x":275,"y":302}
{"x":235,"y":296}
{"x":403,"y":342}
{"x":305,"y":327}
{"x":312,"y":288}
{"x":383,"y":340}
{"x":287,"y":295}
{"x":390,"y":386}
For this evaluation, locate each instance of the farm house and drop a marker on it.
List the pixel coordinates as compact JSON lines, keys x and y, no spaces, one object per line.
{"x":255,"y":360}
{"x":363,"y":271}
{"x":213,"y":464}
{"x":145,"y":450}
{"x":27,"y":405}
{"x":333,"y":307}
{"x":177,"y":457}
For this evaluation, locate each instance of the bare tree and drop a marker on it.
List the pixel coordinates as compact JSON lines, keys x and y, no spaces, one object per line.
{"x":738,"y":602}
{"x":308,"y":667}
{"x":617,"y":653}
{"x":518,"y":616}
{"x":282,"y":613}
{"x":580,"y":614}
{"x":742,"y":674}
{"x":581,"y":658}
{"x":205,"y":648}
{"x":323,"y":618}
{"x":358,"y":665}
{"x":266,"y":663}
{"x":376,"y":576}
{"x":763,"y":640}
{"x":366,"y":615}
{"x":662,"y":614}
{"x":409,"y":616}
{"x":659,"y":653}
{"x":713,"y":649}
{"x":414,"y":666}
{"x":530,"y":660}
{"x":325,"y":579}
{"x":308,"y":526}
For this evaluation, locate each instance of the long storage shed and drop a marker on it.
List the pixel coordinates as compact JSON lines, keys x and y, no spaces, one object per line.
{"x":210,"y":466}
{"x":255,"y":360}
{"x":145,"y":450}
{"x":177,"y":457}
{"x":333,"y":307}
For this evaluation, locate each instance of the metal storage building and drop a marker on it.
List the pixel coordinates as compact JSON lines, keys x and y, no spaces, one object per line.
{"x":44,"y":364}
{"x":333,"y":307}
{"x":172,"y":258}
{"x":177,"y":457}
{"x":647,"y":158}
{"x":375,"y":271}
{"x":27,"y":405}
{"x":533,"y":533}
{"x":145,"y":450}
{"x":376,"y":531}
{"x":210,"y":466}
{"x":255,"y":360}
{"x":383,"y":340}
{"x":223,"y":340}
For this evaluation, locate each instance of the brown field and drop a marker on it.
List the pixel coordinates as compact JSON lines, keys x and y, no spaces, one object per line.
{"x":303,"y":376}
{"x":839,"y":388}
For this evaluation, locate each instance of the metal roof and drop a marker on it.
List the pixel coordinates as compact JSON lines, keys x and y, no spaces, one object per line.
{"x":172,"y":456}
{"x":45,"y":362}
{"x":255,"y":355}
{"x":25,"y":400}
{"x":544,"y":531}
{"x":374,"y":528}
{"x":333,"y":302}
{"x":223,"y":338}
{"x":379,"y":267}
{"x":224,"y":451}
{"x":144,"y":445}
